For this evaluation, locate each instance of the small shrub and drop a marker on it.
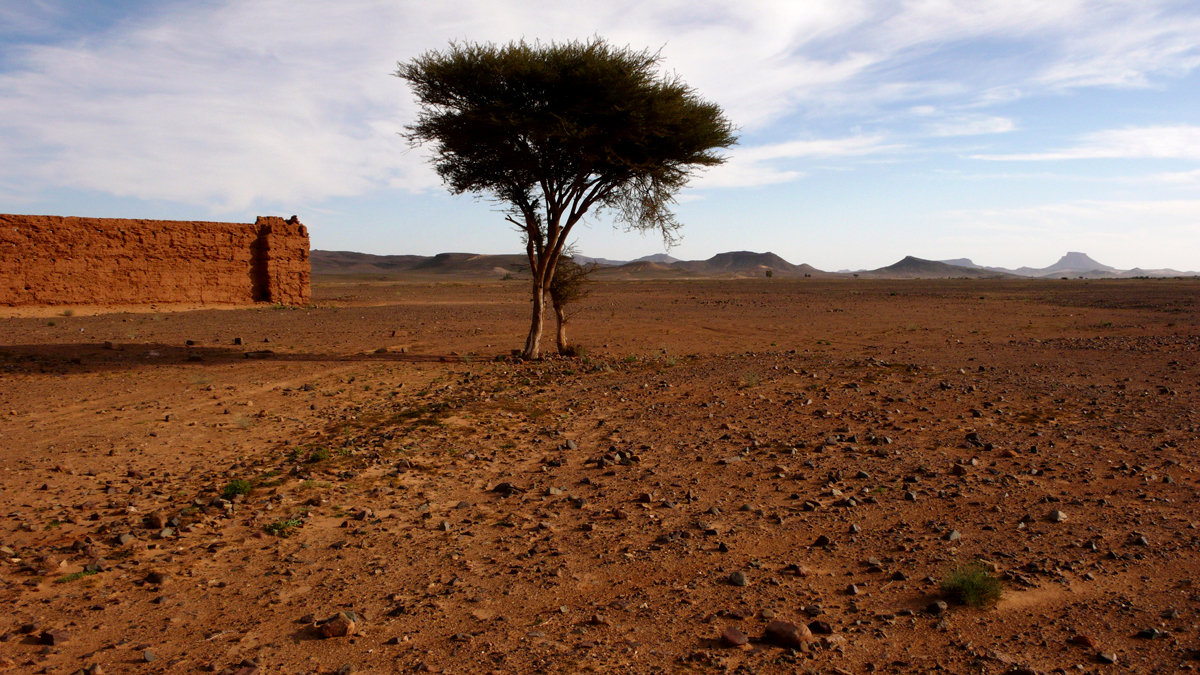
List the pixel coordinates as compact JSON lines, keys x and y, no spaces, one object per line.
{"x":507,"y":277}
{"x":50,"y":323}
{"x":74,"y":576}
{"x":770,"y":273}
{"x":574,"y":350}
{"x":749,"y":379}
{"x":318,"y":455}
{"x":68,"y":312}
{"x":972,"y":585}
{"x":631,"y":359}
{"x":238,"y":486}
{"x":283,"y":528}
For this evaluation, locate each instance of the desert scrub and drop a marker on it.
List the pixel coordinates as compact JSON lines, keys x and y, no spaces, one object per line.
{"x":237,"y":487}
{"x":972,"y":584}
{"x":318,"y":455}
{"x":74,"y":576}
{"x":283,"y":528}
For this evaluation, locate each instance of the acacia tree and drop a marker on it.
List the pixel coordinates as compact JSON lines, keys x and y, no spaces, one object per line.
{"x":550,"y":132}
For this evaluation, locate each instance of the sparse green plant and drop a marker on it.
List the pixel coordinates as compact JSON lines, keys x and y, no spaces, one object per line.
{"x":237,"y":486}
{"x":50,"y":323}
{"x":770,"y":273}
{"x":973,"y":585}
{"x":74,"y":576}
{"x":672,"y":361}
{"x":68,"y":312}
{"x":243,"y":422}
{"x":318,"y":455}
{"x":631,"y":359}
{"x":748,"y":379}
{"x":507,"y":277}
{"x":283,"y":528}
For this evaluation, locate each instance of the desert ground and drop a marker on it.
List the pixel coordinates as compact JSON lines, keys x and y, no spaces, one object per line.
{"x":373,"y":484}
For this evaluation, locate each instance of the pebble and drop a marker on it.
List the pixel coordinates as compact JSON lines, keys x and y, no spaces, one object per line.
{"x":148,"y":656}
{"x":732,"y":637}
{"x":1106,"y":657}
{"x":786,"y":634}
{"x":341,"y":624}
{"x":822,"y":541}
{"x":953,"y":535}
{"x":937,"y":607}
{"x":1057,"y":516}
{"x":739,"y":578}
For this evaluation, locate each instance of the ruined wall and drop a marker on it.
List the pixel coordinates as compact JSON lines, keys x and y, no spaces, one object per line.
{"x":54,"y":260}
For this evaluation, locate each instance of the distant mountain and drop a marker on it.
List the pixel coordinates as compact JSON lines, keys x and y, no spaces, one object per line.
{"x":918,"y":268}
{"x":738,"y":263}
{"x":961,"y":262}
{"x":471,"y":264}
{"x":605,"y":262}
{"x":1073,"y":264}
{"x":731,"y":264}
{"x":1077,"y":262}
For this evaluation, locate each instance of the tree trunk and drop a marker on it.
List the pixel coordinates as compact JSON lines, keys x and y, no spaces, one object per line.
{"x":562,"y":330}
{"x":532,"y":350}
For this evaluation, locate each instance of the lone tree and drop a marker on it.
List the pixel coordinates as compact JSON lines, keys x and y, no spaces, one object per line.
{"x":550,"y":132}
{"x":568,"y":286}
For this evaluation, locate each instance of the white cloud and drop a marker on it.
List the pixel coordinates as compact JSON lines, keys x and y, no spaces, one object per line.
{"x":1159,"y":142}
{"x":231,"y":104}
{"x":972,"y":125}
{"x":759,"y":165}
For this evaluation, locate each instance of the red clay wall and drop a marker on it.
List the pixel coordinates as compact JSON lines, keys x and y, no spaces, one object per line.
{"x":54,"y":260}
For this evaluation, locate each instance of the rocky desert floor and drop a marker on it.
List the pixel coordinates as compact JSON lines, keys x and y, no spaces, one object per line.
{"x":372,"y":485}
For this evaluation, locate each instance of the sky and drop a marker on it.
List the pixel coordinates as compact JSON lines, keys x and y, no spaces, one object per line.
{"x":1005,"y":131}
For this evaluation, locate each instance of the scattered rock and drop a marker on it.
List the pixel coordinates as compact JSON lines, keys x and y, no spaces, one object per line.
{"x":342,"y":624}
{"x":739,"y":578}
{"x":732,"y":637}
{"x":787,"y":634}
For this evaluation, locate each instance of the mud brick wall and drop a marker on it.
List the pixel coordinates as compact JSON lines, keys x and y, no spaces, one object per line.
{"x":54,"y":260}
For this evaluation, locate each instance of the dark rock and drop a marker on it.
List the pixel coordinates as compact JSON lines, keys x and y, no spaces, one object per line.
{"x":937,"y":607}
{"x":732,"y":637}
{"x":787,"y":634}
{"x":55,"y":637}
{"x":739,"y":578}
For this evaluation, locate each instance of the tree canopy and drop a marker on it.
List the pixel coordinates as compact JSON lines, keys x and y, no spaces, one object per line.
{"x":553,"y":131}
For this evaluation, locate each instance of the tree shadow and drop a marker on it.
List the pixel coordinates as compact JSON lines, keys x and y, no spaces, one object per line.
{"x":97,"y":357}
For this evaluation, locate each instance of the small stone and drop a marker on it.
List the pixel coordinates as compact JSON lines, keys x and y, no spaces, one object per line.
{"x":820,"y":628}
{"x":340,"y":625}
{"x":899,"y":576}
{"x":55,"y":637}
{"x":1106,"y":657}
{"x":156,"y":578}
{"x":739,"y":578}
{"x":937,"y":607}
{"x":1057,"y":516}
{"x":125,"y":539}
{"x":852,"y":590}
{"x":822,"y":541}
{"x":346,"y":669}
{"x":1085,"y":640}
{"x":1150,"y":634}
{"x":732,"y":637}
{"x":953,"y":535}
{"x":148,"y":656}
{"x":787,"y":634}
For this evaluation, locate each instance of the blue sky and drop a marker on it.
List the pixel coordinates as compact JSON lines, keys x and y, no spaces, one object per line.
{"x":1006,"y":131}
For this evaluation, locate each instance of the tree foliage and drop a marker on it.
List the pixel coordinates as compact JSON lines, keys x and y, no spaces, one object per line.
{"x":553,"y":131}
{"x":570,"y":284}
